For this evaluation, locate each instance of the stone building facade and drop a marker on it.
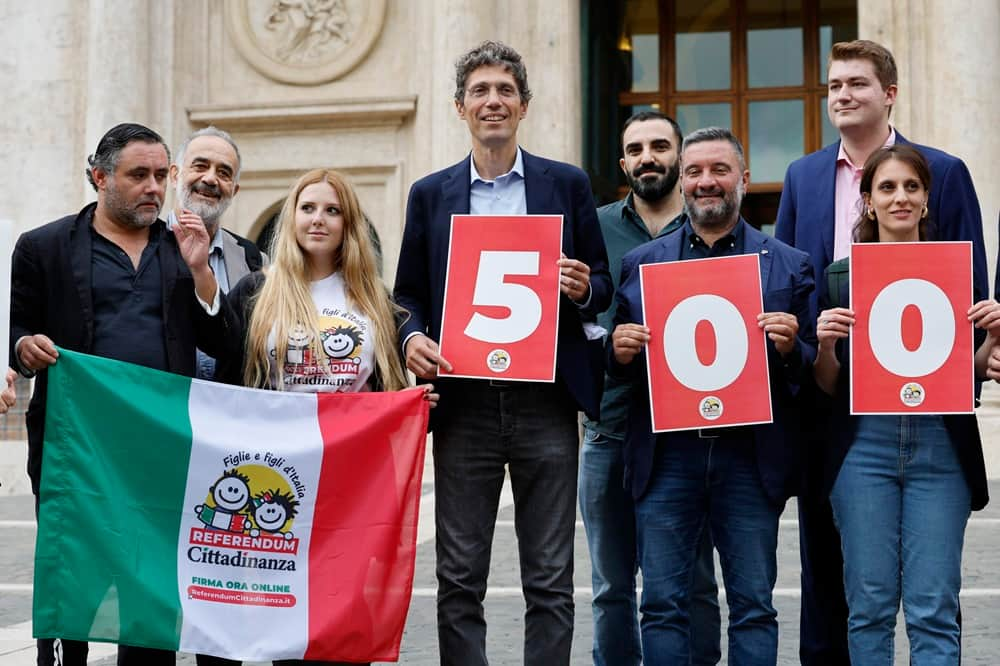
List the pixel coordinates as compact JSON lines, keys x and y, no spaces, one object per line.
{"x":366,"y":86}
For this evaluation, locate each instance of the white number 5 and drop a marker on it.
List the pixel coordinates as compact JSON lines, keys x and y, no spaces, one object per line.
{"x":524,"y":304}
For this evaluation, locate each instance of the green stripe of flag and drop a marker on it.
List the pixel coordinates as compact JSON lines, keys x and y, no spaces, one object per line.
{"x":103,"y":448}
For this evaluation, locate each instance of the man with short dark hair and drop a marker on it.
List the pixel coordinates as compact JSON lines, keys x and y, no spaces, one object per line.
{"x":820,"y":203}
{"x":733,"y":481}
{"x":651,"y":143}
{"x":482,"y":426}
{"x":113,"y":282}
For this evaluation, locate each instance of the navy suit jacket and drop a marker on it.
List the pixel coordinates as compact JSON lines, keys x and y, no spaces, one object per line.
{"x":806,"y":212}
{"x":786,"y":278}
{"x":552,"y":188}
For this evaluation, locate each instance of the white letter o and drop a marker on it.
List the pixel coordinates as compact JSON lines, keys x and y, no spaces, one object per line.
{"x":731,"y":342}
{"x":884,"y":328}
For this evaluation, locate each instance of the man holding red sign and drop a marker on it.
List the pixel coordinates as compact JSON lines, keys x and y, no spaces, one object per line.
{"x":484,"y":426}
{"x":734,"y":480}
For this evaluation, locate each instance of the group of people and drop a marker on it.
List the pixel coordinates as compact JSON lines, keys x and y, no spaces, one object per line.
{"x":883,"y":500}
{"x":115,"y":281}
{"x":186,"y":296}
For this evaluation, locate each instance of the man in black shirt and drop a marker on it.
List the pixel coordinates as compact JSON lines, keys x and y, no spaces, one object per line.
{"x":112,"y":281}
{"x":733,"y":481}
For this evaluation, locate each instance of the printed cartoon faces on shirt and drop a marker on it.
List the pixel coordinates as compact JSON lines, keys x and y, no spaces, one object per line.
{"x":336,"y":361}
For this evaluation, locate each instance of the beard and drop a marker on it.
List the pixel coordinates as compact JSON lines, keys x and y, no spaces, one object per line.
{"x":720,"y":214}
{"x":654,"y":189}
{"x":209,"y":212}
{"x":127,"y":213}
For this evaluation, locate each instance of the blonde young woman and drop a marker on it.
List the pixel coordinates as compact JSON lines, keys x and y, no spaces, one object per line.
{"x":318,"y":319}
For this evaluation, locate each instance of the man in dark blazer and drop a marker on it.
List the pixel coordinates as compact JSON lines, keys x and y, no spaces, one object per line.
{"x":482,"y":426}
{"x":818,"y":209}
{"x":735,"y":480}
{"x":111,"y":281}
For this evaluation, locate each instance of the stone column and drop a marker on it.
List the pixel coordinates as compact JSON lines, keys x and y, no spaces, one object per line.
{"x":120,"y":49}
{"x":949,"y":84}
{"x":40,"y":127}
{"x":456,"y":26}
{"x":547,"y":34}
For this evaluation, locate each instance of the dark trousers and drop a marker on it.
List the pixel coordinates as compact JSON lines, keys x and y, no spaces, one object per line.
{"x":531,"y":429}
{"x":209,"y":660}
{"x":823,"y":613}
{"x":608,"y":512}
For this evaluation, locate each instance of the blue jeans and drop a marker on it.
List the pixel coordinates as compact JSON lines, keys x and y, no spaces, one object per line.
{"x":609,"y":518}
{"x":531,"y":430}
{"x":698,"y":485}
{"x":901,"y":503}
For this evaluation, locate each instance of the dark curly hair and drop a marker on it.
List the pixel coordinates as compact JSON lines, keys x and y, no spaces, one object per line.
{"x":491,"y":54}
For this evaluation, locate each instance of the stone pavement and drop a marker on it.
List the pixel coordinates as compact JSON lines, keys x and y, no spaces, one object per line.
{"x":504,"y":605}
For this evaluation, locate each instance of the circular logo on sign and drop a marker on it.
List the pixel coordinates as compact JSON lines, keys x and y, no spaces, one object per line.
{"x":710,"y":408}
{"x":498,"y":360}
{"x":912,"y":394}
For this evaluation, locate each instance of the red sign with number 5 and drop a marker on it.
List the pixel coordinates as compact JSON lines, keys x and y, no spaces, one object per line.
{"x":501,"y":297}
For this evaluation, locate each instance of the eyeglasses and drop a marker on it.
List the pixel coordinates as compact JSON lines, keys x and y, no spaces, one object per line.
{"x":503,"y":90}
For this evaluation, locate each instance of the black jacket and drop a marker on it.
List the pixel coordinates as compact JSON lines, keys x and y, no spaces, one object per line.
{"x":51,"y":294}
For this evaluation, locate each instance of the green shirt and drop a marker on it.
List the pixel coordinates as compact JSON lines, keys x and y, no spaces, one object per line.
{"x":623,"y":231}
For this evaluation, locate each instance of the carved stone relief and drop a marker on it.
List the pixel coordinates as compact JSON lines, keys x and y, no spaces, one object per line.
{"x":305,"y":42}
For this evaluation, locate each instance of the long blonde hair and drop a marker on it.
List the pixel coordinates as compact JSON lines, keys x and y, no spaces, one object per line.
{"x":285,"y":302}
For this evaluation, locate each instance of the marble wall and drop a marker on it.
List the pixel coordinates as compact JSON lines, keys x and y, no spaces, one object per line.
{"x":382,"y":107}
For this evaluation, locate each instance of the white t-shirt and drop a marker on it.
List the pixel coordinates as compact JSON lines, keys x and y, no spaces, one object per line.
{"x":346,"y":337}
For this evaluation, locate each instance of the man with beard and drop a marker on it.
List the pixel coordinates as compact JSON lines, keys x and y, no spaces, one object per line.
{"x":206,"y":176}
{"x":102,"y":281}
{"x":735,"y":480}
{"x":654,"y":208}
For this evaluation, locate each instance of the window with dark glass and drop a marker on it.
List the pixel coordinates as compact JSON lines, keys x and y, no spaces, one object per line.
{"x":755,"y":66}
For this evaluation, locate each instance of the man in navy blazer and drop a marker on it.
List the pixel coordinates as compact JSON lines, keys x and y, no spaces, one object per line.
{"x":734,"y":480}
{"x":818,"y":209}
{"x":482,"y":426}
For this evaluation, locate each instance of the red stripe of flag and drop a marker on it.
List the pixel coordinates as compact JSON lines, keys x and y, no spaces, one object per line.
{"x":363,"y":544}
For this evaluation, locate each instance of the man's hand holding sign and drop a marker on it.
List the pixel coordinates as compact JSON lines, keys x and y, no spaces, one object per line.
{"x":708,"y":367}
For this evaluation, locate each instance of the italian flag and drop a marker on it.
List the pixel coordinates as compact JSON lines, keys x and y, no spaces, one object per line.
{"x":199,"y":517}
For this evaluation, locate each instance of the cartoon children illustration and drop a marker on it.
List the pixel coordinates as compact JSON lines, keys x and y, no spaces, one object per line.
{"x":272,"y":509}
{"x":231,"y":494}
{"x":341,"y":342}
